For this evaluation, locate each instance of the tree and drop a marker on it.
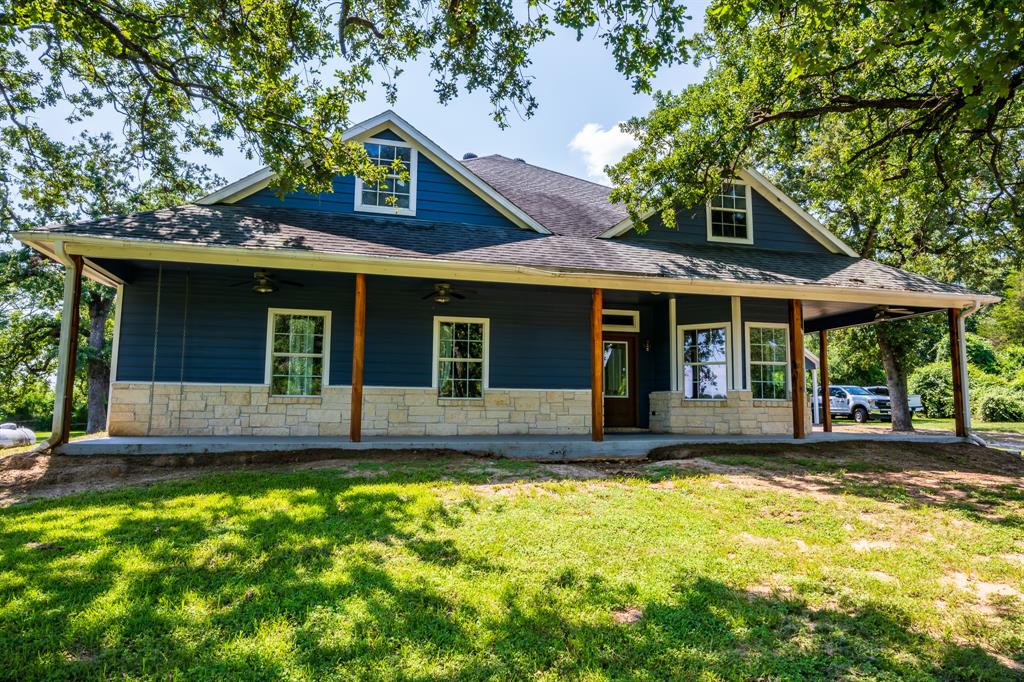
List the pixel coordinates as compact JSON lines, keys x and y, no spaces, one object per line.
{"x":277,"y":76}
{"x":1004,"y":324}
{"x":898,"y":123}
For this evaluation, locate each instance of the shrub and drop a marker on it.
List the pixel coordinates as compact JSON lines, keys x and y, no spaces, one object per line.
{"x":979,"y":352}
{"x":1011,"y":360}
{"x":1000,"y":405}
{"x":934,"y":383}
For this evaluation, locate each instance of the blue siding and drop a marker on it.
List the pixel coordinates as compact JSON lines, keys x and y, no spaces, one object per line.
{"x":538,"y":335}
{"x":703,"y":309}
{"x":439,"y":197}
{"x":772,"y":229}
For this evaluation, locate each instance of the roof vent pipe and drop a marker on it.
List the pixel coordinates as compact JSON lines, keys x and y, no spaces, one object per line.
{"x":468,"y":155}
{"x":520,"y":159}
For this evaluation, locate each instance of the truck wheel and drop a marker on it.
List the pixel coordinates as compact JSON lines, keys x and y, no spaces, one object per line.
{"x":860,"y":415}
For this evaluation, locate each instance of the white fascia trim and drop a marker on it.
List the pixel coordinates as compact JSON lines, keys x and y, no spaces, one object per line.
{"x":789,"y":207}
{"x":325,"y":368}
{"x":147,"y":249}
{"x":254,"y":182}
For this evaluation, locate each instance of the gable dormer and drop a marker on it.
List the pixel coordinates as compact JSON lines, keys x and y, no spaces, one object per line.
{"x":438,"y":187}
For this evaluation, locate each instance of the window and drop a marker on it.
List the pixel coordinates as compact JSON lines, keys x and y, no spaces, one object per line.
{"x":768,"y":361}
{"x":616,"y":369}
{"x":705,"y":361}
{"x":730,"y":218}
{"x":620,"y":320}
{"x":296,"y":355}
{"x":460,"y":357}
{"x":395,"y":195}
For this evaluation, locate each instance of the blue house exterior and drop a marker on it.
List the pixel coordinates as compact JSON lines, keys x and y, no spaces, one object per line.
{"x":470,"y":297}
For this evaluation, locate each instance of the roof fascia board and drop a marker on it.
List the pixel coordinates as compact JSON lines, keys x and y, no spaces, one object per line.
{"x":89,"y":268}
{"x":262,"y":178}
{"x":790,"y":208}
{"x":105,"y":247}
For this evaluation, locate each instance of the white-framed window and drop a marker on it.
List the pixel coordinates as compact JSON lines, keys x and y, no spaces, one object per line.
{"x":396,"y":195}
{"x":730,"y":214}
{"x":704,"y":350}
{"x":620,"y":320}
{"x":768,"y":360}
{"x":298,"y":351}
{"x":461,"y":356}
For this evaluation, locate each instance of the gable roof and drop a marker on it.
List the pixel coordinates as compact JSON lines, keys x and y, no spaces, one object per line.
{"x":562,"y":203}
{"x":790,"y":208}
{"x":262,"y":178}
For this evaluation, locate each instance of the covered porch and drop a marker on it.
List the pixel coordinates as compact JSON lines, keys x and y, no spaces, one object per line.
{"x":631,"y":366}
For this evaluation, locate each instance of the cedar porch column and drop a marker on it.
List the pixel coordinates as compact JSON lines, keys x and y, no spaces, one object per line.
{"x":826,"y":414}
{"x":796,"y":367}
{"x":68,"y":350}
{"x":956,"y":355}
{"x":596,"y":367}
{"x":355,"y":426}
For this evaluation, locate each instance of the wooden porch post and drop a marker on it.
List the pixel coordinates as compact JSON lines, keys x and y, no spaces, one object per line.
{"x":796,"y":367}
{"x":358,"y":350}
{"x":826,"y":411}
{"x":68,"y":350}
{"x":955,"y":350}
{"x":596,"y":367}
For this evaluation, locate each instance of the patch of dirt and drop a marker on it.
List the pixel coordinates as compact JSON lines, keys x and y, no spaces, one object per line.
{"x":627,"y":615}
{"x":866,"y":545}
{"x":982,"y":590}
{"x":882,"y":576}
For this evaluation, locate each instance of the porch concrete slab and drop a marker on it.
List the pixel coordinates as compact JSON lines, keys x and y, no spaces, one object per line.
{"x":536,"y":448}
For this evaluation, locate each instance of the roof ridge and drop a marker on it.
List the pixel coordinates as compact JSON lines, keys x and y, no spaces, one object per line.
{"x":546,"y":170}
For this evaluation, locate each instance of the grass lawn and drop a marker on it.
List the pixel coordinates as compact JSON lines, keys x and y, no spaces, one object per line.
{"x":947,"y":424}
{"x":478,"y":569}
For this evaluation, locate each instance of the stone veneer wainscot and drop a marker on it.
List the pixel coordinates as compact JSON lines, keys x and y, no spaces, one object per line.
{"x":738,"y":414}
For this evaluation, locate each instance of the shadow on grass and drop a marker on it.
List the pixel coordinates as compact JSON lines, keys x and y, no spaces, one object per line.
{"x":316,"y":575}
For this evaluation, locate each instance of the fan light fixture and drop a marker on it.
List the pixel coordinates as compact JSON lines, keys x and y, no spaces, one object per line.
{"x":264,"y":282}
{"x":444,"y":292}
{"x":263,"y":285}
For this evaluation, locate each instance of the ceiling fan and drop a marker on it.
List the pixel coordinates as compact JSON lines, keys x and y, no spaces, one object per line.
{"x":885,"y":312}
{"x":444,"y":292}
{"x":264,"y":282}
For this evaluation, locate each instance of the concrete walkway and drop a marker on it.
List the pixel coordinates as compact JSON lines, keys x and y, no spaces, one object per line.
{"x":539,"y":448}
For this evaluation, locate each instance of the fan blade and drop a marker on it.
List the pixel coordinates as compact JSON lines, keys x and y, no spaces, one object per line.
{"x":456,"y":294}
{"x":432,"y":294}
{"x":471,"y":292}
{"x":238,"y":284}
{"x":291,"y":283}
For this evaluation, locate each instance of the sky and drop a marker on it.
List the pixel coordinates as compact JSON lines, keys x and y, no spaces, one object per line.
{"x":582,"y":99}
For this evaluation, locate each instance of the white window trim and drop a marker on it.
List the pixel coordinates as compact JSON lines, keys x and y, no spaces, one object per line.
{"x":632,"y":327}
{"x":268,"y":378}
{"x":391,"y":210}
{"x":681,"y":355}
{"x":435,"y":360}
{"x":750,"y":217}
{"x":750,"y":375}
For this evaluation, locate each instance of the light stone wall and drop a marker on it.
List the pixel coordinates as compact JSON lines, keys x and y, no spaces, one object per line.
{"x":738,"y":414}
{"x":249,"y":410}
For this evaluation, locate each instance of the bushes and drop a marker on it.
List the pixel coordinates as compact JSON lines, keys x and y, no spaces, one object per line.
{"x":1000,"y":405}
{"x":935,"y":385}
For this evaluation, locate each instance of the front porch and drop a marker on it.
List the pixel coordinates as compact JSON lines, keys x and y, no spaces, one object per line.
{"x":573,"y":448}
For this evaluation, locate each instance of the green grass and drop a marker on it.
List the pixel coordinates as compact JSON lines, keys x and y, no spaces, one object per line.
{"x":947,"y":425}
{"x":414,"y":575}
{"x":43,"y":435}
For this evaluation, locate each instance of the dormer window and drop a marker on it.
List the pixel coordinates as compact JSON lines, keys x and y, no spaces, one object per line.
{"x":730,"y":218}
{"x":395,"y":195}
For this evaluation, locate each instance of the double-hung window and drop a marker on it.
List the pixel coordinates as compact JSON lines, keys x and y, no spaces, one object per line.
{"x":768,"y":361}
{"x":396,"y":194}
{"x":460,"y":357}
{"x":730,"y":218}
{"x":297,"y":343}
{"x":705,"y":356}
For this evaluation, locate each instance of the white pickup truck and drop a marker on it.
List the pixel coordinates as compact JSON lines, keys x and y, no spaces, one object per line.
{"x":913,"y":400}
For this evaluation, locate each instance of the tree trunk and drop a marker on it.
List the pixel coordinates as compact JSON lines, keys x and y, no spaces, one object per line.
{"x":896,"y":380}
{"x":97,"y":364}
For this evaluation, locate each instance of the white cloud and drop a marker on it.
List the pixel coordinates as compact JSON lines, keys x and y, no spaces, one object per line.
{"x":601,"y":147}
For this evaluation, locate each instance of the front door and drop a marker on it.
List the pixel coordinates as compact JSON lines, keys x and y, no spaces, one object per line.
{"x":620,"y":380}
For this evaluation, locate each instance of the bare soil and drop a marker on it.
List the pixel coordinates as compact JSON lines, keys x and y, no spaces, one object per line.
{"x":932,"y":472}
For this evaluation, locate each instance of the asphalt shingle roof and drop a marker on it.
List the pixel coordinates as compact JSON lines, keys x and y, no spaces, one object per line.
{"x":561,"y":203}
{"x":322,"y":232}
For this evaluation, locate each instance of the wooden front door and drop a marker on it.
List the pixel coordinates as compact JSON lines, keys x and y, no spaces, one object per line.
{"x":620,"y":405}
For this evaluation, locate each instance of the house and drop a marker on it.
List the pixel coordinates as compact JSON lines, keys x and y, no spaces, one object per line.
{"x":483,"y":296}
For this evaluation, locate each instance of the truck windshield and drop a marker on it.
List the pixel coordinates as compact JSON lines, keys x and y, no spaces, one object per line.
{"x":857,"y":390}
